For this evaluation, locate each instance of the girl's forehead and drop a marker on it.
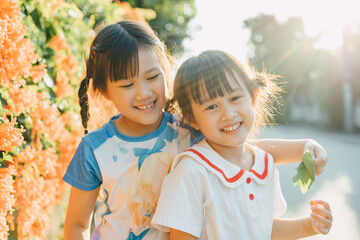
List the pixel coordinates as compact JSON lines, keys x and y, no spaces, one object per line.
{"x":236,"y":82}
{"x":148,"y":60}
{"x":144,"y":61}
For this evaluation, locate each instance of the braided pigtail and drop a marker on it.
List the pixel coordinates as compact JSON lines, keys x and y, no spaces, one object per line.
{"x":84,"y":103}
{"x":83,"y":89}
{"x":171,"y":106}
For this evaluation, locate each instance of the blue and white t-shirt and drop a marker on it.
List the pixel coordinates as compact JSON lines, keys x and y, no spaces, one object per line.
{"x":130,"y":171}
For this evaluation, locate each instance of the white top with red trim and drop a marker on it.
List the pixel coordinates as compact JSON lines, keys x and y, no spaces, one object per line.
{"x":210,"y":198}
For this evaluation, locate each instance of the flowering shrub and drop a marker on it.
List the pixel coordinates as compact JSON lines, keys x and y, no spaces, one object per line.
{"x":42,"y":46}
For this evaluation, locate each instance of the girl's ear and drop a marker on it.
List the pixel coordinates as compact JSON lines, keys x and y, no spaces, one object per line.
{"x":106,"y":95}
{"x":193,"y":123}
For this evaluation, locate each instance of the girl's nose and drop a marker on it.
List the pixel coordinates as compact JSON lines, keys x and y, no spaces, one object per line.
{"x":228,"y":113}
{"x":143,"y":91}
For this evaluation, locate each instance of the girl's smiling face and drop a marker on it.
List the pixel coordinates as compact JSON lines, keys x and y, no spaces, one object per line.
{"x":141,"y":99}
{"x":225,"y":121}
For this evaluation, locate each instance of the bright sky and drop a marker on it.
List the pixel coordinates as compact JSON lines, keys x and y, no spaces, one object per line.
{"x":221,"y":22}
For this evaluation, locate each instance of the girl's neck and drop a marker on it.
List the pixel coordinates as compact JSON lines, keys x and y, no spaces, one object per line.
{"x":240,"y":156}
{"x":133,"y":129}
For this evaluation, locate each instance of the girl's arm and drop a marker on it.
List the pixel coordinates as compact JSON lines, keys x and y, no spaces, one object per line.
{"x":320,"y":221}
{"x":179,"y":235}
{"x":287,"y":151}
{"x":78,"y":215}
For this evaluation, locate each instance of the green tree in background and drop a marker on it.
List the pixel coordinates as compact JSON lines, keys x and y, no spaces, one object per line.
{"x":351,"y":55}
{"x":171,"y":21}
{"x":279,"y":49}
{"x":310,"y":76}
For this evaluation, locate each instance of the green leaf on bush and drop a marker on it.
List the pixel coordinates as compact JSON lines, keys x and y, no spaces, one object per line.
{"x":5,"y":157}
{"x":305,"y":173}
{"x":15,"y":152}
{"x":2,"y":164}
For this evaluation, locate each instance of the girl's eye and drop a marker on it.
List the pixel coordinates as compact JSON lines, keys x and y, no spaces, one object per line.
{"x":153,"y":77}
{"x":211,"y":107}
{"x":127,"y":86}
{"x":233,"y":99}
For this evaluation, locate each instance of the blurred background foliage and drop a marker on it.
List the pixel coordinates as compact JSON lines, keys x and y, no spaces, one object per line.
{"x":171,"y":21}
{"x":314,"y":79}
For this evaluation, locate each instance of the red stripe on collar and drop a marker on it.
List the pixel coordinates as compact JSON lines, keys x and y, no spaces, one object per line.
{"x":230,"y":180}
{"x":265,"y":170}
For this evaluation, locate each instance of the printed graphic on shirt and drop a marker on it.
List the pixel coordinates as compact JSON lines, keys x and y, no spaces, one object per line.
{"x":144,"y":180}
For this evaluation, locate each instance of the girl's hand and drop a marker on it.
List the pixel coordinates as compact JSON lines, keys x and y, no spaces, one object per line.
{"x":318,"y":154}
{"x":321,"y":216}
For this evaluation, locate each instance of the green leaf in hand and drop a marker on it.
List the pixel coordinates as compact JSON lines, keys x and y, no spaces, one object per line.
{"x":305,"y":173}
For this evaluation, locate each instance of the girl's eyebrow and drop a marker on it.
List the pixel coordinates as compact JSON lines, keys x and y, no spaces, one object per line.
{"x":207,"y":100}
{"x":146,"y":72}
{"x":152,"y":69}
{"x":239,"y":88}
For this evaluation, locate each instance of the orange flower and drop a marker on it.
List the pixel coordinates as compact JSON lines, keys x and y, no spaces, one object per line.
{"x":69,"y":64}
{"x":47,"y":162}
{"x":3,"y":76}
{"x":26,"y":156}
{"x":40,"y":226}
{"x":27,"y":216}
{"x":37,"y":72}
{"x":10,"y":220}
{"x":46,"y":121}
{"x":56,"y":3}
{"x":131,"y":13}
{"x":16,"y":52}
{"x":23,"y":99}
{"x":10,"y":136}
{"x":7,"y":198}
{"x":67,"y":149}
{"x":63,"y":89}
{"x":36,"y":194}
{"x":52,"y":193}
{"x":37,"y":172}
{"x":29,"y":186}
{"x":70,"y":119}
{"x":9,"y":8}
{"x":59,"y":43}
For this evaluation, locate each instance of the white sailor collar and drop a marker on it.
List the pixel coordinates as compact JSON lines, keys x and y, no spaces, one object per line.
{"x":231,"y":175}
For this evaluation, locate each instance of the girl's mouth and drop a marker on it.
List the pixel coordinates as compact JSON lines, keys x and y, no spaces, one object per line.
{"x":231,"y":128}
{"x":145,"y":107}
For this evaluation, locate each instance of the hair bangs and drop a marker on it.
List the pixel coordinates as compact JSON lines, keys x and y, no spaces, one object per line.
{"x":123,"y":62}
{"x":211,"y":81}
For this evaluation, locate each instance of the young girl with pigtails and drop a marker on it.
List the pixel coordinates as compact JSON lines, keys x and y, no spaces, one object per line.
{"x":129,"y":156}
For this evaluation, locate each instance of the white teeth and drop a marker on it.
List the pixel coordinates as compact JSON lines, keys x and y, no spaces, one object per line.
{"x":232,"y":128}
{"x":146,"y":107}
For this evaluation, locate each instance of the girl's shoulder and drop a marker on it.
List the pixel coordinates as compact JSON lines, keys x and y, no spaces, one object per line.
{"x":263,"y":161}
{"x":257,"y":151}
{"x":100,"y":135}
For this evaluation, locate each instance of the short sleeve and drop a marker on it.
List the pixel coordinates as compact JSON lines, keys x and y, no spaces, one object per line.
{"x":279,"y":200}
{"x":181,"y":200}
{"x":83,"y":171}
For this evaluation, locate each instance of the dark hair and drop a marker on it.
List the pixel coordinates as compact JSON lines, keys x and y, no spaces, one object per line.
{"x":114,"y":55}
{"x":206,"y":76}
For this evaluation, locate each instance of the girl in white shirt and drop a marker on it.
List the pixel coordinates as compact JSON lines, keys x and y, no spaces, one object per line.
{"x":224,"y":187}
